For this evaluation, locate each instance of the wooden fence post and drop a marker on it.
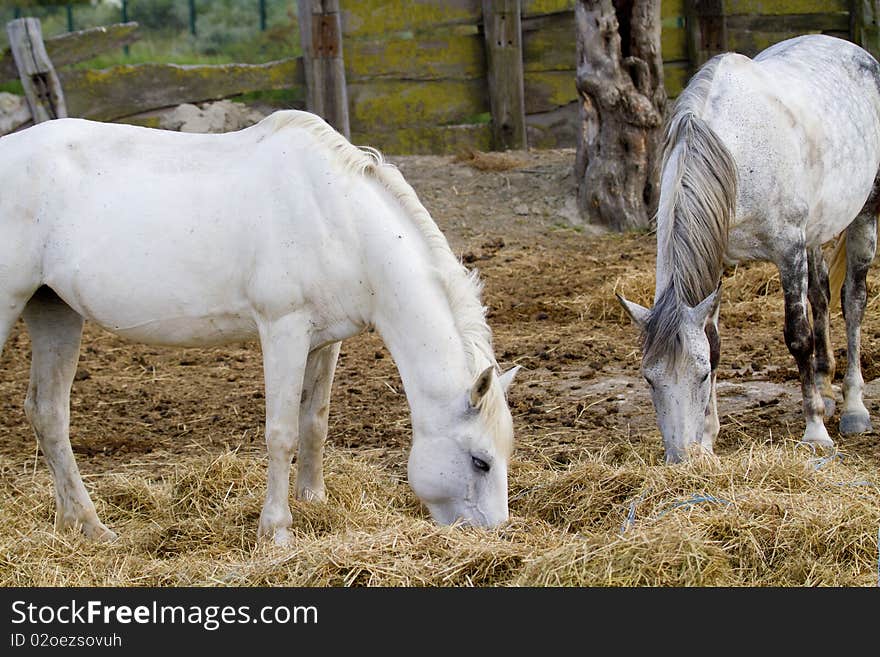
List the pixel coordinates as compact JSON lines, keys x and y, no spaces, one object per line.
{"x":502,"y":27}
{"x":320,"y":29}
{"x":864,"y":21}
{"x":706,"y":30}
{"x":42,"y":87}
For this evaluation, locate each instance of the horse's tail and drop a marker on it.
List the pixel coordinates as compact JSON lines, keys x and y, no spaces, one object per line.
{"x":697,"y":194}
{"x":837,"y":270}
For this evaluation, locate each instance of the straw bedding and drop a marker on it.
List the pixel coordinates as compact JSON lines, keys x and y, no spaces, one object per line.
{"x":170,"y":441}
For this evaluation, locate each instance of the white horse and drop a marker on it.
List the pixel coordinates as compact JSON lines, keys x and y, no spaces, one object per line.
{"x":284,"y":232}
{"x":765,"y":159}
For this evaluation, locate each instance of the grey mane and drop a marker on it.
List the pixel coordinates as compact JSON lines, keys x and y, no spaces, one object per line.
{"x":697,"y":201}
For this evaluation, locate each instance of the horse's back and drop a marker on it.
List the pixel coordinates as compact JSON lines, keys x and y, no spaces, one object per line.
{"x":173,"y":237}
{"x":802,"y":121}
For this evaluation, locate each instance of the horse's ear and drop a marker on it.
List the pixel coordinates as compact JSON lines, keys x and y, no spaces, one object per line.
{"x":707,"y":308}
{"x":638,"y":314}
{"x":481,"y":385}
{"x":507,"y":378}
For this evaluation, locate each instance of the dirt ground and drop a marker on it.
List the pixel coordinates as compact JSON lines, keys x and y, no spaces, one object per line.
{"x":549,"y":287}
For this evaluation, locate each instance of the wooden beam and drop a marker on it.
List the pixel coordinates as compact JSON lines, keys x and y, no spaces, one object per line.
{"x":75,"y":47}
{"x":707,"y":30}
{"x":864,"y":30}
{"x":502,"y":27}
{"x":120,"y":91}
{"x":42,"y":88}
{"x":320,"y":31}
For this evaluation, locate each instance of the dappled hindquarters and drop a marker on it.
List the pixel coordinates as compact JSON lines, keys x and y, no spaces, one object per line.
{"x":170,"y":441}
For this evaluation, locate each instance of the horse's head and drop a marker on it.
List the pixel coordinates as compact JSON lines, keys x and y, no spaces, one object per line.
{"x":679,"y":355}
{"x":458,"y":466}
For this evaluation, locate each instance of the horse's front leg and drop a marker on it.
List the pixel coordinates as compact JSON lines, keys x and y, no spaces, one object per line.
{"x":861,"y":243}
{"x":313,"y":413}
{"x":799,"y":339}
{"x":819,"y":294}
{"x":285,"y":345}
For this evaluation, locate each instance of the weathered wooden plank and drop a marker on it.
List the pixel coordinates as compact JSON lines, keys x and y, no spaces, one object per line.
{"x":42,"y":88}
{"x":549,"y":42}
{"x":121,"y":91}
{"x":671,"y":8}
{"x":377,"y":17}
{"x":706,"y":30}
{"x":675,"y":77}
{"x":73,"y":47}
{"x":784,"y":7}
{"x":390,"y":104}
{"x":321,"y":38}
{"x":790,"y":23}
{"x":674,"y":43}
{"x":557,"y":128}
{"x":502,"y":26}
{"x":751,"y":43}
{"x":547,"y":90}
{"x":425,"y":140}
{"x":542,"y":7}
{"x":864,"y":25}
{"x":427,"y":57}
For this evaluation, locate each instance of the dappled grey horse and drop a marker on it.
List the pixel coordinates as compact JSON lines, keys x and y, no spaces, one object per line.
{"x":765,"y":159}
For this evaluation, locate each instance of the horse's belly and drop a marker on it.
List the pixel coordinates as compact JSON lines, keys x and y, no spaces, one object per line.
{"x":189,"y":331}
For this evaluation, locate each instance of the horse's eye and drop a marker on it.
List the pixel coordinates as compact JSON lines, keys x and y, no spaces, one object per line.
{"x":480,"y":464}
{"x":704,"y":377}
{"x":649,"y":382}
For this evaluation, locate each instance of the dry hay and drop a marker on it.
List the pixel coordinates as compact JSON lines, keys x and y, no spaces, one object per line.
{"x":172,"y":447}
{"x":767,"y":514}
{"x":489,"y":161}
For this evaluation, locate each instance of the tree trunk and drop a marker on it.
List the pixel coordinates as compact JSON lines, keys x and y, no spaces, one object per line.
{"x":623,"y":101}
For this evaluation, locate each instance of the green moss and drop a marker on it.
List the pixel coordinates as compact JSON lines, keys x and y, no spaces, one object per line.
{"x":425,"y":57}
{"x":392,"y":104}
{"x":379,"y":17}
{"x":782,"y":7}
{"x":427,"y":139}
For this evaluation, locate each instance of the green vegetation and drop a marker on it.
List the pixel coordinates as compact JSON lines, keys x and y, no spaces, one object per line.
{"x":225,"y":30}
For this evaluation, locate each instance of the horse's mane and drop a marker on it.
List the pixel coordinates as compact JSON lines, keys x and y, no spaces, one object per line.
{"x":697,"y":201}
{"x":463,"y":289}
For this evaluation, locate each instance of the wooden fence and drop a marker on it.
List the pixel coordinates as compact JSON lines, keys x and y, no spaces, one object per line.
{"x":416,"y":76}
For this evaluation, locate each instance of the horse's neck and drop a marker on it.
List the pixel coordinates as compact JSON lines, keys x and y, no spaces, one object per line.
{"x":415,"y":318}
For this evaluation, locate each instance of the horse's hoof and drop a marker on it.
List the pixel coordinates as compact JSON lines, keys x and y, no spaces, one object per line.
{"x":830,"y":407}
{"x":100,"y":533}
{"x":852,"y":423}
{"x":306,"y":494}
{"x":818,"y":437}
{"x":280,"y":537}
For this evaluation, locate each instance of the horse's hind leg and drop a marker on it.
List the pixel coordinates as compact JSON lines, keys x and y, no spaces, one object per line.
{"x":313,"y":413}
{"x":55,"y":331}
{"x":861,"y":244}
{"x":819,"y":294}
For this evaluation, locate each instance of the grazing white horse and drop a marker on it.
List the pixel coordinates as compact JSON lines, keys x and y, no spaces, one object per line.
{"x":765,"y":159}
{"x":284,"y":232}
